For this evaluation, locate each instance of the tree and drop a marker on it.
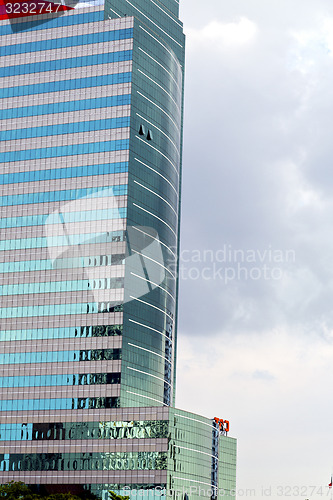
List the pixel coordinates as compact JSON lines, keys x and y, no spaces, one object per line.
{"x":62,"y":496}
{"x":114,"y":496}
{"x":20,"y":491}
{"x":17,"y":491}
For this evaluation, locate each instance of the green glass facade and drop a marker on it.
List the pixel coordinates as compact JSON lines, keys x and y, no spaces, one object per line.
{"x":227,"y":467}
{"x":90,"y":175}
{"x":153,"y":194}
{"x":177,"y":447}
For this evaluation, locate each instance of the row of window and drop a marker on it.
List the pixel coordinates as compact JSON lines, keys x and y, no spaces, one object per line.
{"x":64,"y":173}
{"x":65,"y":107}
{"x":136,"y":490}
{"x":70,"y":150}
{"x":60,"y":309}
{"x":61,"y":286}
{"x":70,"y":41}
{"x":60,"y":380}
{"x":66,"y":263}
{"x":139,"y":460}
{"x":63,"y":217}
{"x":60,"y":356}
{"x":60,"y":241}
{"x":106,"y":283}
{"x":172,"y":91}
{"x":65,"y":128}
{"x":62,"y":333}
{"x":56,"y":431}
{"x":74,"y":84}
{"x":98,"y":331}
{"x":58,"y":22}
{"x":94,"y":261}
{"x":61,"y":263}
{"x":62,"y":64}
{"x":59,"y":404}
{"x":63,"y":195}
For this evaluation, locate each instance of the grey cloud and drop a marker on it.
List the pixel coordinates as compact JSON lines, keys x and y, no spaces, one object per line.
{"x":257,"y":171}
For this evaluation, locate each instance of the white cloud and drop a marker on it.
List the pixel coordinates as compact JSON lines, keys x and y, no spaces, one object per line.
{"x":319,"y":37}
{"x":328,"y":31}
{"x":220,"y":35}
{"x":313,"y":47}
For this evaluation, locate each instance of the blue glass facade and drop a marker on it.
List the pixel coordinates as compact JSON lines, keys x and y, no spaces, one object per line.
{"x":91,"y":152}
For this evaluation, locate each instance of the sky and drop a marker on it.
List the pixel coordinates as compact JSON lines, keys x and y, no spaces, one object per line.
{"x":256,"y":268}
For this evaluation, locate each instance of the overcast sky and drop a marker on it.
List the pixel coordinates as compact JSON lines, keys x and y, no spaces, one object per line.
{"x":256,"y":294}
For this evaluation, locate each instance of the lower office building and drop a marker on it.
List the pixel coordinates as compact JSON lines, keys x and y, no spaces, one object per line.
{"x":152,"y":453}
{"x":90,"y":174}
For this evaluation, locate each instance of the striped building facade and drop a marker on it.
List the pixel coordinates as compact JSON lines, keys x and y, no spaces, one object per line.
{"x":91,"y":140}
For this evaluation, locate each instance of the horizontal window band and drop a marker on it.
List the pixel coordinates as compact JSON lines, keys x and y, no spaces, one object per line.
{"x":148,"y":350}
{"x":196,"y":451}
{"x":172,"y":17}
{"x":62,"y":333}
{"x":156,"y":239}
{"x":62,"y":241}
{"x":163,"y":67}
{"x":164,"y":45}
{"x":158,"y":195}
{"x":60,"y":310}
{"x":63,"y":431}
{"x":64,"y":173}
{"x":178,"y":105}
{"x":156,"y":217}
{"x":60,"y":356}
{"x":71,"y":380}
{"x":57,"y":404}
{"x":152,"y":260}
{"x":70,"y":150}
{"x":146,"y":397}
{"x":84,"y":262}
{"x":65,"y":107}
{"x":106,"y":461}
{"x":63,"y":218}
{"x":122,"y":488}
{"x":149,"y":328}
{"x":70,"y":41}
{"x":148,"y":374}
{"x":161,"y":109}
{"x":176,"y":168}
{"x":63,"y":195}
{"x":154,"y":307}
{"x":65,"y":128}
{"x":58,"y":22}
{"x":74,"y":84}
{"x":155,"y":172}
{"x":61,"y":286}
{"x":155,"y":285}
{"x":62,"y":64}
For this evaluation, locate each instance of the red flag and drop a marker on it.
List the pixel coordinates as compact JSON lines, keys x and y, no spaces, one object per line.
{"x":330,"y":485}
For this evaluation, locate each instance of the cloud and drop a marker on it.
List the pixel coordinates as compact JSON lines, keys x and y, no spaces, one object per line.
{"x":218,"y":36}
{"x":276,"y":393}
{"x":313,"y":44}
{"x":257,"y":174}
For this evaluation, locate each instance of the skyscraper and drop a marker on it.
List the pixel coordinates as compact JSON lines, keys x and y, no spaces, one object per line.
{"x":91,"y":141}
